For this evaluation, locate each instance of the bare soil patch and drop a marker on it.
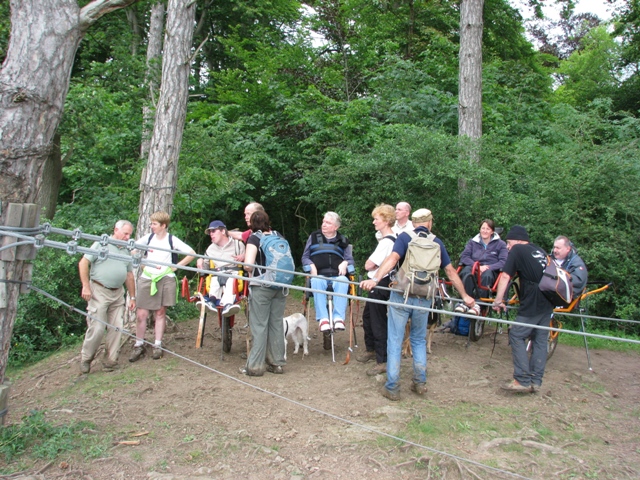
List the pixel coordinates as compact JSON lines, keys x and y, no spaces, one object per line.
{"x":199,"y":417}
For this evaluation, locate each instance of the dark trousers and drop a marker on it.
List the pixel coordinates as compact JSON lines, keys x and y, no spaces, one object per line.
{"x":374,"y":322}
{"x":487,"y":279}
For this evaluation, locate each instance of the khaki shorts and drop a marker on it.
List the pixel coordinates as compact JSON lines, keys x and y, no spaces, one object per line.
{"x":164,"y":297}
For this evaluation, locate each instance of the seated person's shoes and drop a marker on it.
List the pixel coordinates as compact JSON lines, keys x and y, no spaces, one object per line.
{"x":461,"y":308}
{"x":475,"y":310}
{"x":324,"y":325}
{"x":230,"y":310}
{"x":338,"y":325}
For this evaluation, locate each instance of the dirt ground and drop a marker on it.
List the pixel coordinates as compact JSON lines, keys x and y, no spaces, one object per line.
{"x":195,"y":416}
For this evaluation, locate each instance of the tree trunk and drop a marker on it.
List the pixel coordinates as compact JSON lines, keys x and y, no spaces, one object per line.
{"x":159,"y":181}
{"x":470,"y":77}
{"x":152,"y":78}
{"x":34,"y":82}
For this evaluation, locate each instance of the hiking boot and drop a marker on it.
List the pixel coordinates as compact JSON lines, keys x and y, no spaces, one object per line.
{"x":275,"y":369}
{"x":393,"y":396}
{"x":326,"y":340}
{"x":157,"y":352}
{"x":85,"y":366}
{"x":419,"y":388}
{"x":109,"y":366}
{"x":461,"y":308}
{"x":136,"y":353}
{"x":535,"y":388}
{"x":338,"y":325}
{"x":366,"y":356}
{"x":249,"y":373}
{"x":324,"y":325}
{"x":230,"y":310}
{"x":379,"y":369}
{"x":516,"y":387}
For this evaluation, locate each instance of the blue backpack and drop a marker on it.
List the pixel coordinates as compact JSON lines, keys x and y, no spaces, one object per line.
{"x":277,"y":254}
{"x":460,"y":326}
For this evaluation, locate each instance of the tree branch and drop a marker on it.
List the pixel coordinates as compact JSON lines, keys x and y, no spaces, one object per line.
{"x":96,"y":9}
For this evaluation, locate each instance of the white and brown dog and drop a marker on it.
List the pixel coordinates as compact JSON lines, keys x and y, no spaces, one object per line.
{"x":296,"y":327}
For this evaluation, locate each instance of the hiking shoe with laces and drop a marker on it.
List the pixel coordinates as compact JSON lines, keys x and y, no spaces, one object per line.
{"x":324,"y":325}
{"x":379,"y":369}
{"x":516,"y":387}
{"x":275,"y":369}
{"x":249,"y":373}
{"x":393,"y":396}
{"x":461,"y":308}
{"x":109,"y":365}
{"x":366,"y":356}
{"x":338,"y":325}
{"x":230,"y":310}
{"x":419,"y":388}
{"x":85,"y":366}
{"x":157,"y":353}
{"x":136,"y":353}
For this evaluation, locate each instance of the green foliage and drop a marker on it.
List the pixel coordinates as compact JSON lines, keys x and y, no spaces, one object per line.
{"x":590,"y":72}
{"x":37,"y":438}
{"x":5,"y":29}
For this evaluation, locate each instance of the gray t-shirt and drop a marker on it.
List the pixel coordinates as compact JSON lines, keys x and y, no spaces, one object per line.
{"x":109,"y":272}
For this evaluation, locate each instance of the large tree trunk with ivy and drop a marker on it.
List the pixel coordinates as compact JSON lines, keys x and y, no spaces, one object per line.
{"x":158,"y":182}
{"x":34,"y":82}
{"x":470,"y":76}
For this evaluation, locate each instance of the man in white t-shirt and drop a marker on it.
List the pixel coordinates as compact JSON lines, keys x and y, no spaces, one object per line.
{"x":157,"y":285}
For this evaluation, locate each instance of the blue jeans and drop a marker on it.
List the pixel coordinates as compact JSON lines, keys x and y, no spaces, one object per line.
{"x":320,"y":299}
{"x":398,"y":317}
{"x":527,"y":369}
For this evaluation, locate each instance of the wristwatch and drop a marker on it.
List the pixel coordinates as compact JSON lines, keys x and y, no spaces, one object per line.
{"x":375,"y":280}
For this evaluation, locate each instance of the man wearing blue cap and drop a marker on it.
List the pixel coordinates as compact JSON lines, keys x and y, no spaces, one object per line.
{"x":222,"y":252}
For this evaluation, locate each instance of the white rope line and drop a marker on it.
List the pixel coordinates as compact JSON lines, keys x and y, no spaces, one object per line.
{"x":282,"y":397}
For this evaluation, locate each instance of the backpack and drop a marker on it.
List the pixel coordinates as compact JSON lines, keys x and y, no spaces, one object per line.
{"x":174,"y":256}
{"x":556,"y":284}
{"x":418,"y":274}
{"x":460,"y":326}
{"x":277,"y":254}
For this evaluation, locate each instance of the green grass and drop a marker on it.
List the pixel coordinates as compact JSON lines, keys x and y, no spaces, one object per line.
{"x":36,"y":438}
{"x":600,"y":343}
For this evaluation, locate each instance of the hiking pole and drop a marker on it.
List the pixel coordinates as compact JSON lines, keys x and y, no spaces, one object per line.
{"x":352,"y":292}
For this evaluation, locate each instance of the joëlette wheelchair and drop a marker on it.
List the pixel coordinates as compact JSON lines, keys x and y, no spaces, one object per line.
{"x":226,"y":324}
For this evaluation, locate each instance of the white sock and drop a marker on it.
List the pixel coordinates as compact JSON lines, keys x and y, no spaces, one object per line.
{"x":139,"y":343}
{"x":158,"y":343}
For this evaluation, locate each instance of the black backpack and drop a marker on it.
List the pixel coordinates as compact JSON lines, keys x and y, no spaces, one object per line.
{"x":174,"y":256}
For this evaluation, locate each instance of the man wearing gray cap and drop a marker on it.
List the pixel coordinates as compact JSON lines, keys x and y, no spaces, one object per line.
{"x":222,"y":252}
{"x":399,"y":315}
{"x":528,"y":262}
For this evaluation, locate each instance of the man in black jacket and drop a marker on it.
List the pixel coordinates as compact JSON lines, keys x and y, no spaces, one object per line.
{"x":528,"y":262}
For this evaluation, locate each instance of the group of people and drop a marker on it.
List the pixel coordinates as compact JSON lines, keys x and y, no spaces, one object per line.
{"x":328,"y":258}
